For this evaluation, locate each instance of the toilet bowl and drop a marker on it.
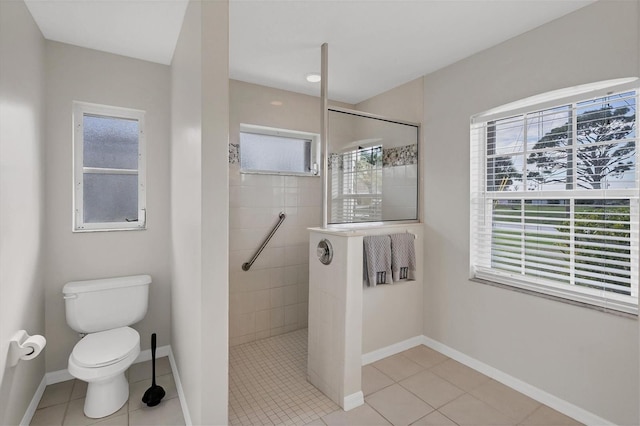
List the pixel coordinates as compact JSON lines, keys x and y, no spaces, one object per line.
{"x":101,"y":359}
{"x":102,"y":311}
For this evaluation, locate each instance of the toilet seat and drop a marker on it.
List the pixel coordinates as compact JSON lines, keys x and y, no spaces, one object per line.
{"x":105,"y":348}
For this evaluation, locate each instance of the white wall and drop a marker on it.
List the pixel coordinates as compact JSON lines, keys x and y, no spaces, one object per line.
{"x":272,"y":297}
{"x":199,"y":206}
{"x":21,"y":202}
{"x":583,"y":356}
{"x":215,"y":210}
{"x":186,"y":214}
{"x":74,"y":73}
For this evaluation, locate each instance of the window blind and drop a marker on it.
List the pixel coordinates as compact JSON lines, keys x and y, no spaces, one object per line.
{"x":554,"y":200}
{"x":356,"y":190}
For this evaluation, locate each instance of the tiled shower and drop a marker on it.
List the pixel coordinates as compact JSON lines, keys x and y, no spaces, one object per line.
{"x":272,"y":297}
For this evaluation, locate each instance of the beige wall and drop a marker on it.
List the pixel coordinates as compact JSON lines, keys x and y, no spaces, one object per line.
{"x":199,"y":206}
{"x":78,"y":74}
{"x":404,"y":102}
{"x":21,"y":202}
{"x":583,"y":356}
{"x":401,"y":316}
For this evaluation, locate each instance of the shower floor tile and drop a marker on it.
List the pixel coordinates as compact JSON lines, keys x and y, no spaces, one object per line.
{"x":268,"y":383}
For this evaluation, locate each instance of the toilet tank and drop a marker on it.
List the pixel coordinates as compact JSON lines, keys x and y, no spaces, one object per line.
{"x":98,"y":305}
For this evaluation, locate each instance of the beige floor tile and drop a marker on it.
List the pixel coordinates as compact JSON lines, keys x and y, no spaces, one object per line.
{"x":469,"y":410}
{"x":56,"y":394}
{"x":545,"y":416}
{"x":425,"y":356}
{"x":316,"y":422}
{"x":167,"y":413}
{"x":79,"y":389}
{"x":434,"y":419}
{"x":49,"y":416}
{"x":398,"y":405}
{"x":142,"y":370}
{"x":460,"y":375}
{"x":506,"y":400}
{"x":398,"y":367}
{"x":432,"y":389}
{"x":137,"y":390}
{"x":373,"y":380}
{"x":363,"y":415}
{"x":122,"y":420}
{"x":75,"y":414}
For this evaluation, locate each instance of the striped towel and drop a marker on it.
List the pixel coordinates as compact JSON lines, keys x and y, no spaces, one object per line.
{"x":377,"y":260}
{"x":403,"y":256}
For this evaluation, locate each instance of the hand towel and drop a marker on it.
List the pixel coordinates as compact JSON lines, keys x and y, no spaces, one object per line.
{"x":377,"y":260}
{"x":403,"y":256}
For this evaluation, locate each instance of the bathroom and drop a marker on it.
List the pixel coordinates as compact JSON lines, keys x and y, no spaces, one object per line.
{"x":192,"y":113}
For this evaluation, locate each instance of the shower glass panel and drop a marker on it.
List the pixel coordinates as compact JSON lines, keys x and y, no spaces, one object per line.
{"x":373,"y":169}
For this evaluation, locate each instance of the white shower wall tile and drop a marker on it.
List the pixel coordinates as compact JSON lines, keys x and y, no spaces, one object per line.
{"x":290,"y":295}
{"x":272,"y":297}
{"x":277,"y":297}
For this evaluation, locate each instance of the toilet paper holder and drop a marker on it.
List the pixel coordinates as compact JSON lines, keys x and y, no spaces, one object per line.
{"x":23,"y":346}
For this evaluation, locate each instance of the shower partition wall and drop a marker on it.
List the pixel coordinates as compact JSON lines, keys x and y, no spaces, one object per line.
{"x":372,"y":168}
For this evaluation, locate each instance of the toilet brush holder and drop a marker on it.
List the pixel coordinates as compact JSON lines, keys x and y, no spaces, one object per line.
{"x":155,"y":393}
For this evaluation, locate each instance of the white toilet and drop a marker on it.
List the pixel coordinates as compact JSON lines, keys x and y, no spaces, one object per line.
{"x":103,"y":309}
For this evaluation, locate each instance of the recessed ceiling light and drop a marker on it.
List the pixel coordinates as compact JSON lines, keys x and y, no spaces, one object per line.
{"x":313,"y":78}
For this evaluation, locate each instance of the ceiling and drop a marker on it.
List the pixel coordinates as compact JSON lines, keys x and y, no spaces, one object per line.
{"x":374,"y":45}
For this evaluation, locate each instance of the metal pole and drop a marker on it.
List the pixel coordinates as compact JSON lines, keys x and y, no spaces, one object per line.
{"x":324,"y":130}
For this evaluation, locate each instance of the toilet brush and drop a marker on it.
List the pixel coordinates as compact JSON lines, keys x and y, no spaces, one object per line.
{"x":155,"y":393}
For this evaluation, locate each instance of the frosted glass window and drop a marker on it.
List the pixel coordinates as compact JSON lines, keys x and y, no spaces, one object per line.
{"x":110,"y":198}
{"x":109,"y":168}
{"x":110,"y":142}
{"x":277,"y":151}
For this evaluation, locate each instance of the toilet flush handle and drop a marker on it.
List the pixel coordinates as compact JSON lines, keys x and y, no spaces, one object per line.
{"x":70,"y":296}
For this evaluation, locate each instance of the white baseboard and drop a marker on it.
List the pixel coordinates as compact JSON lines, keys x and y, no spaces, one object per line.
{"x":33,"y":405}
{"x":181,"y":397}
{"x":533,"y":392}
{"x":387,"y":351}
{"x":54,"y":377}
{"x":352,"y":401}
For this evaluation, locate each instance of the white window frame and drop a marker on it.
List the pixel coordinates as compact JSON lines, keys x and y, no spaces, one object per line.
{"x":314,"y":158}
{"x":79,"y":110}
{"x":482,"y":202}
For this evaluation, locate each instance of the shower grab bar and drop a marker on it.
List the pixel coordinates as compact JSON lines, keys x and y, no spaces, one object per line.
{"x":247,"y":265}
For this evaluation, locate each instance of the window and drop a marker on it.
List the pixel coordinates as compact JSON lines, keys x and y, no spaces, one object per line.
{"x":109,"y":168}
{"x":554,"y":199}
{"x":268,"y":150}
{"x":356,"y":190}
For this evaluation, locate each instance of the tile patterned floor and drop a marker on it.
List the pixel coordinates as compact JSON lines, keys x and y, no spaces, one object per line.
{"x":416,"y":387}
{"x":267,"y":386}
{"x":62,"y":403}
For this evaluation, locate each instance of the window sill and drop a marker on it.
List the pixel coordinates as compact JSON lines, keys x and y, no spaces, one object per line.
{"x":82,"y":231}
{"x":555,"y":298}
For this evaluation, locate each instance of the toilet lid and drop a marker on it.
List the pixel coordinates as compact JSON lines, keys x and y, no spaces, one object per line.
{"x":106,"y":347}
